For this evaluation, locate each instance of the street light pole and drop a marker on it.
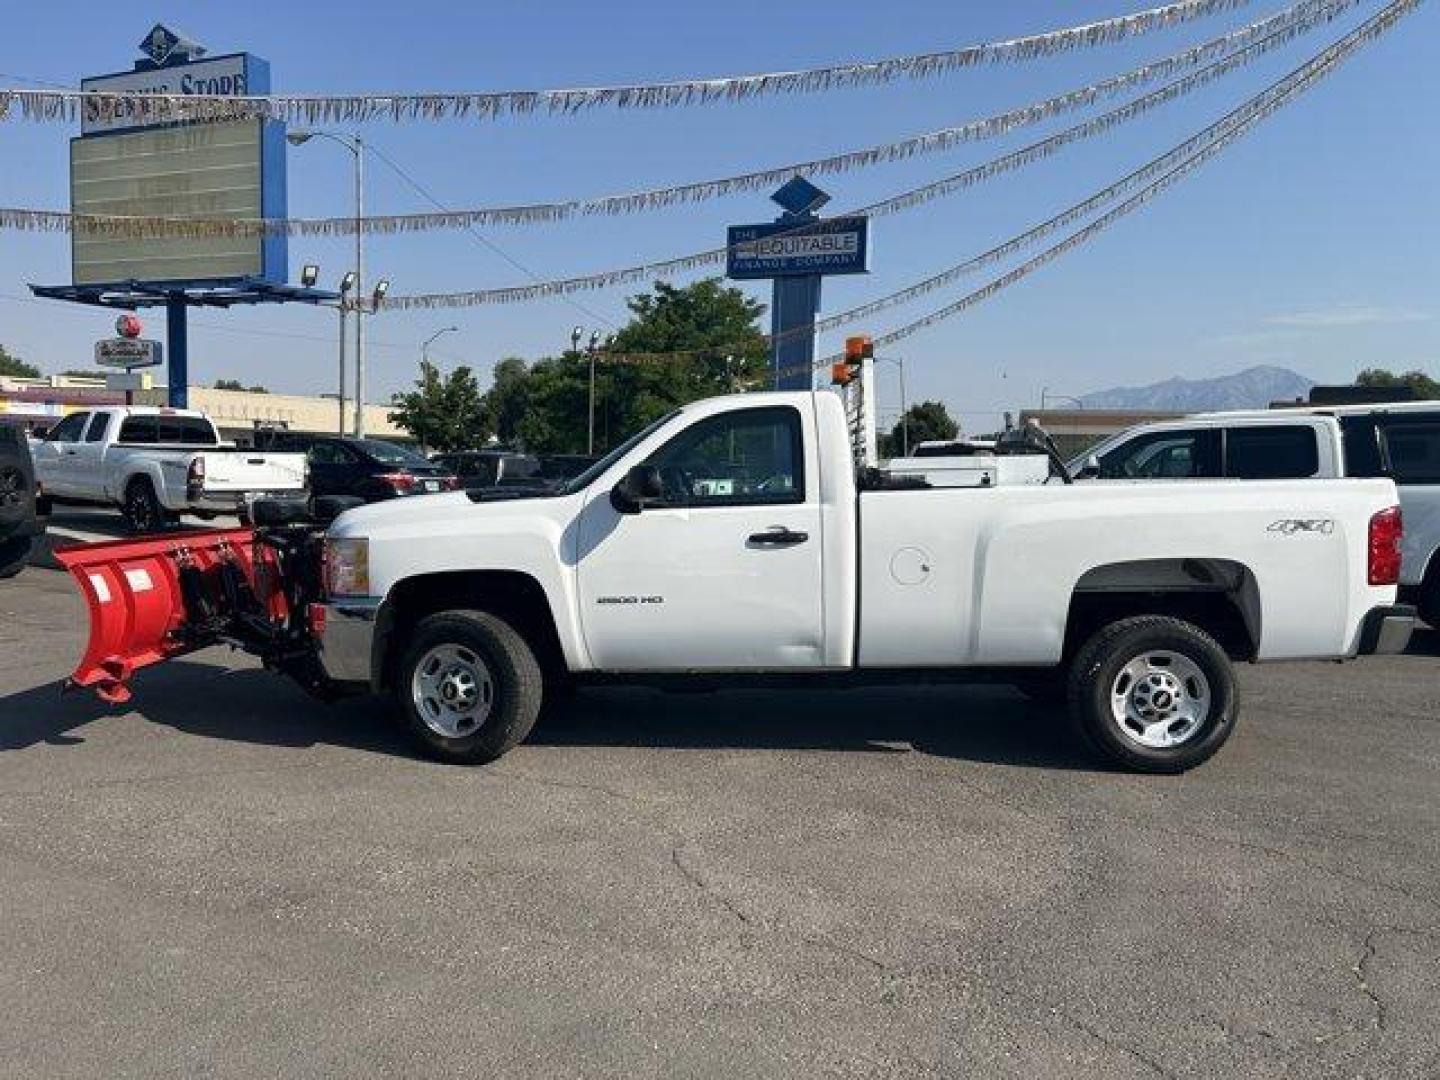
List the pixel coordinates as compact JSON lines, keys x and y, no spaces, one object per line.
{"x":594,"y":341}
{"x":425,"y":349}
{"x":347,"y":283}
{"x":899,"y":362}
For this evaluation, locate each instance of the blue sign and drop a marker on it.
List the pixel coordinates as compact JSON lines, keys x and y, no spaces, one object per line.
{"x":788,"y":248}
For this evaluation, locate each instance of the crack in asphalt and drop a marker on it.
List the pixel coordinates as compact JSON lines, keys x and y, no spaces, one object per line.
{"x":690,"y":874}
{"x":1360,"y":968}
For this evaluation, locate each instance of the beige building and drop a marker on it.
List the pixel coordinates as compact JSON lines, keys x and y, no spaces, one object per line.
{"x":236,"y":412}
{"x":1075,"y":430}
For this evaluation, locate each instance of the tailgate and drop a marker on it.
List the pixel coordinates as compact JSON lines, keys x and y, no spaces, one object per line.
{"x":236,"y":471}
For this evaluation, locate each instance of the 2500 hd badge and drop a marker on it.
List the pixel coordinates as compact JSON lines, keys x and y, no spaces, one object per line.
{"x":629,"y":600}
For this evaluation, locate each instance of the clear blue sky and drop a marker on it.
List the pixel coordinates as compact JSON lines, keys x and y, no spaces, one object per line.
{"x":1312,"y":244}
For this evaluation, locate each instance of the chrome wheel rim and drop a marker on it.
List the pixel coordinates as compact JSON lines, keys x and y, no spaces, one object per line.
{"x":452,"y":691}
{"x":1160,"y":699}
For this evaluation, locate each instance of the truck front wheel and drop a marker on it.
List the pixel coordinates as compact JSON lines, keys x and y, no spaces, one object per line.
{"x":1154,"y":694}
{"x":468,"y":686}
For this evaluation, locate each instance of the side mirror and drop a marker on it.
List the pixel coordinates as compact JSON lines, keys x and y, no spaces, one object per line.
{"x":1090,"y":469}
{"x":640,"y":487}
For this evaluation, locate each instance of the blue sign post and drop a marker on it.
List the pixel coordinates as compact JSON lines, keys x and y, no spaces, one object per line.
{"x":796,"y":250}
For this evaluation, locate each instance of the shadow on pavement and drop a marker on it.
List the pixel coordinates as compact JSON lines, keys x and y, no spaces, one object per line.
{"x":1425,"y":642}
{"x":990,"y":724}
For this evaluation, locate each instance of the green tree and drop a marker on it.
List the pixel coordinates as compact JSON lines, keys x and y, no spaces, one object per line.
{"x":1423,"y":385}
{"x":237,"y":385}
{"x":15,"y":367}
{"x":81,"y":373}
{"x":929,"y":421}
{"x":546,"y":407}
{"x":508,"y":399}
{"x":444,"y":412}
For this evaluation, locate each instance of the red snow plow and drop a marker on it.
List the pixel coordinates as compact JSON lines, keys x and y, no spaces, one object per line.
{"x":154,"y":598}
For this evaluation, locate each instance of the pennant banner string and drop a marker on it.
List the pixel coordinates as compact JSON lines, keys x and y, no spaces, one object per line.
{"x":1158,"y":174}
{"x":904,"y":201}
{"x":144,"y":108}
{"x":1314,"y":71}
{"x":1266,"y":34}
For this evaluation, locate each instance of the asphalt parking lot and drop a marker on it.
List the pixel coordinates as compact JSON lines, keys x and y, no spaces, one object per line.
{"x":227,"y":879}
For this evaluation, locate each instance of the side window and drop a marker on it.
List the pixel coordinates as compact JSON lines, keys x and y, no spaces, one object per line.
{"x":1362,"y":446}
{"x":1164,"y":455}
{"x":1271,"y":453}
{"x":98,"y":423}
{"x":743,"y":458}
{"x":69,"y":429}
{"x":1414,"y":450}
{"x":326,"y":453}
{"x":139,"y":429}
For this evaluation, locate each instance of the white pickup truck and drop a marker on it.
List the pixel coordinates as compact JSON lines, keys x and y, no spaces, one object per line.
{"x":1398,"y":440}
{"x":730,"y":540}
{"x":156,"y":463}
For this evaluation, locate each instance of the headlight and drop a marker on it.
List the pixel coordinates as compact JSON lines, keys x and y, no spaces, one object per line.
{"x":347,"y":566}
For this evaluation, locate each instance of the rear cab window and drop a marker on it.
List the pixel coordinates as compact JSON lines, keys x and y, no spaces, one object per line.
{"x":1271,"y":452}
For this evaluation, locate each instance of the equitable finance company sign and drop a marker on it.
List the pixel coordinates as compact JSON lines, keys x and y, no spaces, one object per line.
{"x":838,"y":245}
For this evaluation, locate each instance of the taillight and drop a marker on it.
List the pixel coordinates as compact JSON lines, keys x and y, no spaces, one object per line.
{"x":1386,"y":531}
{"x":399,"y":482}
{"x":195,"y":476}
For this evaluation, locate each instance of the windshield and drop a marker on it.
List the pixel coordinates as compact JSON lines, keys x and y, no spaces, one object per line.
{"x":586,"y":478}
{"x":390,"y":454}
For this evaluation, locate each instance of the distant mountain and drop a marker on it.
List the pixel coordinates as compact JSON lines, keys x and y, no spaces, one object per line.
{"x":1252,"y":389}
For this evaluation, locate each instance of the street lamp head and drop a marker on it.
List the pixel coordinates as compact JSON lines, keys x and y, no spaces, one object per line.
{"x":594,"y":340}
{"x":298,"y":136}
{"x":309,"y":274}
{"x":381,"y":288}
{"x":347,"y":282}
{"x":452,"y":329}
{"x":575,"y":336}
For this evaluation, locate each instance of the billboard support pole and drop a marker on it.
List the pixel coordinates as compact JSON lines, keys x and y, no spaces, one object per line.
{"x":178,"y":348}
{"x":794,"y":304}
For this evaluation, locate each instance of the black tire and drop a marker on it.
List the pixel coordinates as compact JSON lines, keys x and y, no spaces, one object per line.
{"x":1428,"y":600}
{"x":515,"y":686}
{"x":1097,"y":672}
{"x":141,"y":508}
{"x":14,"y":555}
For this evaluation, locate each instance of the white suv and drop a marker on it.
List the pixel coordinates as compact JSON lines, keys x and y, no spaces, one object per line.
{"x":1400,"y":440}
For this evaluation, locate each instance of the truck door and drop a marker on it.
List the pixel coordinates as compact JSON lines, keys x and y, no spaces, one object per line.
{"x":87,"y":464}
{"x":724,"y":571}
{"x":55,"y":457}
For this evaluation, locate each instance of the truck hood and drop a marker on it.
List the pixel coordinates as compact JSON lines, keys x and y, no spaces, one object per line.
{"x":436,"y":515}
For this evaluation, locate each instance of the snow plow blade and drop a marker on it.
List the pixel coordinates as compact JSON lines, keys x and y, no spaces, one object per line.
{"x":154,"y":598}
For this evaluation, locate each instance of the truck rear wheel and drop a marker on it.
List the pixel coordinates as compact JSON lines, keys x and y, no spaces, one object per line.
{"x":1154,"y":694}
{"x":141,"y":508}
{"x":469,"y":687}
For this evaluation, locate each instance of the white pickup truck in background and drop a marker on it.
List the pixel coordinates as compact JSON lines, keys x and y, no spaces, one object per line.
{"x":1401,"y":441}
{"x":157,"y":463}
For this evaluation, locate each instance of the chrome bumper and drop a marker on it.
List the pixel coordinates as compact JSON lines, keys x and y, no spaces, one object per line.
{"x":345,"y":637}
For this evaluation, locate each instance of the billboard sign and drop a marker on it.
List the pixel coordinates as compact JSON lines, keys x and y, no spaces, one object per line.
{"x":771,"y":249}
{"x":128,"y":353}
{"x":212,"y":170}
{"x":228,"y":76}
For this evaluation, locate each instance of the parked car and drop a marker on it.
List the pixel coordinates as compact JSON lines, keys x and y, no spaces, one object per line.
{"x":369,"y":469}
{"x":1399,"y":440}
{"x":155,"y":464}
{"x":492,"y":468}
{"x":22,"y":506}
{"x":558,"y":469}
{"x":471,"y":611}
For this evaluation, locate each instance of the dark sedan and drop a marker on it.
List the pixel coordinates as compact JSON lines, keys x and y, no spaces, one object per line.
{"x":369,"y":469}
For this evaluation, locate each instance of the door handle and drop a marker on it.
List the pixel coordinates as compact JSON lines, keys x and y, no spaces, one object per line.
{"x":777,"y":536}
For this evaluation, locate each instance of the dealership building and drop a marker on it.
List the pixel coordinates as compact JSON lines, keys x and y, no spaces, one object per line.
{"x":35,"y":403}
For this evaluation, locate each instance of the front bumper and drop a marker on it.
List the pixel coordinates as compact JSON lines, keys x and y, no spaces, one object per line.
{"x":345,"y":637}
{"x":1386,"y":630}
